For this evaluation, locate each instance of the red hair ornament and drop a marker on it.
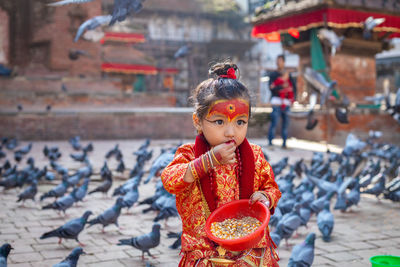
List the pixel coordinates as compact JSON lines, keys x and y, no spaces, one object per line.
{"x":231,"y":74}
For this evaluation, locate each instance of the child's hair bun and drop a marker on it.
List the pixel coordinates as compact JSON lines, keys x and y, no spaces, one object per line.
{"x":222,"y":68}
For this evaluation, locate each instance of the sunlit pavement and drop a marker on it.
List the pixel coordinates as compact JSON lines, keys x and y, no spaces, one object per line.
{"x":370,"y":229}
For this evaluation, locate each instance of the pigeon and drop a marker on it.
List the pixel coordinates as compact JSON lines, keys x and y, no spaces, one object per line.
{"x":124,"y":188}
{"x":74,"y":54}
{"x":57,"y":191}
{"x":109,"y":216}
{"x":303,"y":254}
{"x":369,"y":24}
{"x":4,"y":251}
{"x":12,"y":143}
{"x":182,"y":52}
{"x":144,"y":242}
{"x":20,"y":107}
{"x":131,"y":197}
{"x":80,"y":192}
{"x":67,"y":2}
{"x":341,"y":114}
{"x":105,"y":186}
{"x":168,"y":210}
{"x":377,"y":189}
{"x":61,"y":204}
{"x":74,"y":179}
{"x":160,"y":163}
{"x":79,"y":156}
{"x":64,"y":88}
{"x":320,"y":84}
{"x":334,"y":41}
{"x":325,"y":222}
{"x":178,"y":241}
{"x":123,"y":8}
{"x":112,"y":152}
{"x":325,"y":187}
{"x":25,"y":150}
{"x":92,"y":24}
{"x":70,"y":230}
{"x":311,"y":121}
{"x":88,"y":148}
{"x":72,"y":259}
{"x":289,"y":223}
{"x":274,"y":219}
{"x":121,"y":167}
{"x":75,"y":142}
{"x":29,"y":193}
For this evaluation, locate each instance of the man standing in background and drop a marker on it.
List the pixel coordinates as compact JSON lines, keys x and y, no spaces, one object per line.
{"x":283,"y":89}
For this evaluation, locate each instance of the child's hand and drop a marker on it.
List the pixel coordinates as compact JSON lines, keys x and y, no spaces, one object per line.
{"x":225,"y":153}
{"x":258,"y":196}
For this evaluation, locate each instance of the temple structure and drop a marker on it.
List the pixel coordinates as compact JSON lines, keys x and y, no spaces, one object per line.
{"x":297,"y":26}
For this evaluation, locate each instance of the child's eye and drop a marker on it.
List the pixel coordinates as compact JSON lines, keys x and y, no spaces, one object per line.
{"x":219,"y":122}
{"x":241,"y":122}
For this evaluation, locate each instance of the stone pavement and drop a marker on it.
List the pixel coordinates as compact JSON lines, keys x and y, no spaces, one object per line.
{"x":370,"y":229}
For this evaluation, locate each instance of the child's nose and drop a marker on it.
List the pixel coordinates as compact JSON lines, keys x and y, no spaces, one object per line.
{"x":229,"y":131}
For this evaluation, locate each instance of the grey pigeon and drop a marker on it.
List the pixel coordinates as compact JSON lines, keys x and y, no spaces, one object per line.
{"x":303,"y":254}
{"x":144,"y":242}
{"x":377,"y":189}
{"x":80,"y":192}
{"x":105,"y":186}
{"x":72,"y":259}
{"x":25,"y":150}
{"x":126,"y":187}
{"x":276,"y":236}
{"x":369,"y":24}
{"x":67,"y":2}
{"x":182,"y":51}
{"x":325,"y":187}
{"x":334,"y":41}
{"x":62,"y":204}
{"x":178,"y":241}
{"x":57,"y":191}
{"x":168,"y":210}
{"x":289,"y":223}
{"x":131,"y":197}
{"x":29,"y":193}
{"x":317,"y":205}
{"x":110,"y":216}
{"x":4,"y":251}
{"x":325,"y":221}
{"x":123,"y":8}
{"x":160,"y":163}
{"x":274,"y":219}
{"x":70,"y":230}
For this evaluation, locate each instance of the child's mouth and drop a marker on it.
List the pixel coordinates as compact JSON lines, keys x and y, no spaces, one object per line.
{"x":230,"y":141}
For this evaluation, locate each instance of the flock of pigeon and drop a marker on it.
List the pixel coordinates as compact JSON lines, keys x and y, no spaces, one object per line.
{"x":364,"y":167}
{"x":73,"y":188}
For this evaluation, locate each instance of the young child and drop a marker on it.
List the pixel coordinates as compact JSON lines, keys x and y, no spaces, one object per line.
{"x":221,"y":166}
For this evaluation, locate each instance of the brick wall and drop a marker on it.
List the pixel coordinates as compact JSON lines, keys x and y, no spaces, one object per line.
{"x":177,"y":124}
{"x":4,"y":37}
{"x":355,"y":75}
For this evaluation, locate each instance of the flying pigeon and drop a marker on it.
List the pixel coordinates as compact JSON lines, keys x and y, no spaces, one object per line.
{"x":334,"y":41}
{"x":369,"y":24}
{"x":123,"y":8}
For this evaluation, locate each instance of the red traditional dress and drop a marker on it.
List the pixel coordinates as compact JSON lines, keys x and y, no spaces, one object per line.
{"x":196,"y":247}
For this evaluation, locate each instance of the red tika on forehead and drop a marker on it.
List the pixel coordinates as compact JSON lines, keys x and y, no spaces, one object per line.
{"x":230,"y":108}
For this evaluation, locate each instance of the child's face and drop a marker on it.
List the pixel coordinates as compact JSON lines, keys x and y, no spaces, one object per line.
{"x":226,"y":120}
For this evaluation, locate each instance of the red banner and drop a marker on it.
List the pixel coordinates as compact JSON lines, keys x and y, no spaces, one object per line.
{"x":123,"y":37}
{"x":128,"y":68}
{"x":336,"y":18}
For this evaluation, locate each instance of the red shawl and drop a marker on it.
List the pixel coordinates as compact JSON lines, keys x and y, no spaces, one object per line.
{"x":246,"y":180}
